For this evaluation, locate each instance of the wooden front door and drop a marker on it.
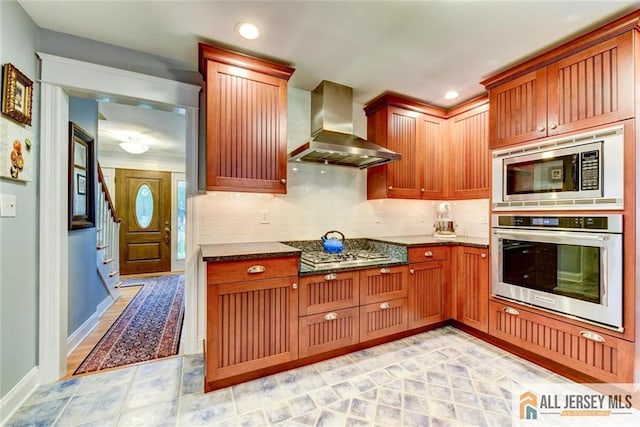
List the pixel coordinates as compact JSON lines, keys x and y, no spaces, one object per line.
{"x":143,"y":200}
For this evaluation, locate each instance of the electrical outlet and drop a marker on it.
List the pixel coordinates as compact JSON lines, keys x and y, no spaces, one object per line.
{"x":423,"y":219}
{"x":7,"y":205}
{"x":378,"y":217}
{"x":264,"y":216}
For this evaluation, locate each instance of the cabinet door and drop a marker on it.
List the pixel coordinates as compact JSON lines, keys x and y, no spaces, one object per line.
{"x":328,"y":331}
{"x":428,"y":293}
{"x":246,"y":130}
{"x":404,"y":176}
{"x":470,"y":157}
{"x":381,"y":319}
{"x":382,"y":284}
{"x":328,"y":292}
{"x":592,"y":87}
{"x":251,"y":325}
{"x":432,"y":139}
{"x":518,"y":110}
{"x":472,"y":286}
{"x":603,"y":357}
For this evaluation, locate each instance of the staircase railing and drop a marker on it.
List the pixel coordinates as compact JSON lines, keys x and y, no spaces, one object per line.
{"x":108,"y":227}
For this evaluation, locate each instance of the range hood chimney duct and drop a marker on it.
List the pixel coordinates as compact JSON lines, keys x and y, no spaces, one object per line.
{"x":333,"y":141}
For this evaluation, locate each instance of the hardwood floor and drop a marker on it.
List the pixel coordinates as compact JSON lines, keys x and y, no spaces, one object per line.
{"x":104,"y":323}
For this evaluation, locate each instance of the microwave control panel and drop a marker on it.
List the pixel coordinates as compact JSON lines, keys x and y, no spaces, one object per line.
{"x":590,"y":170}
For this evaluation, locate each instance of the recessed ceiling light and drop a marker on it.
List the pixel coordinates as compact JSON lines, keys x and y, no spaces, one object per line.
{"x":247,"y":30}
{"x":452,"y":94}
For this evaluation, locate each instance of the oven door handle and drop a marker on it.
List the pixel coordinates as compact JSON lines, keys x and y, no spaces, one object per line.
{"x":549,"y":236}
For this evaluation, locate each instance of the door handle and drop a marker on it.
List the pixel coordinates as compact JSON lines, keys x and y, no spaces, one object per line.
{"x":167,"y":235}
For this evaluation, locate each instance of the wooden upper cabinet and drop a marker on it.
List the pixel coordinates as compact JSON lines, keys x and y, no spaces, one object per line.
{"x":403,"y":177}
{"x":246,"y":121}
{"x":592,"y":87}
{"x":470,"y":158}
{"x":432,"y":138}
{"x":519,"y":110}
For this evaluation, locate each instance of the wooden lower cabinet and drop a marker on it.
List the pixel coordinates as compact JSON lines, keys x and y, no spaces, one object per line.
{"x":428,"y":293}
{"x":328,"y":292}
{"x":600,"y":356}
{"x":328,"y":331}
{"x":381,"y":319}
{"x":383,"y":284}
{"x":251,"y":325}
{"x":472,"y":286}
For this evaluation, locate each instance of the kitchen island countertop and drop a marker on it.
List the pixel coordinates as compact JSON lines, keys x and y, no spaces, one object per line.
{"x":240,"y":251}
{"x":429,"y":240}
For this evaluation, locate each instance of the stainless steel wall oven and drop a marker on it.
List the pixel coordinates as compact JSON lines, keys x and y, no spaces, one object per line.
{"x":568,"y":264}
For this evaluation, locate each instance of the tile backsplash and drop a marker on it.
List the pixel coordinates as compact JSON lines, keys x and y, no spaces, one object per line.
{"x":322,"y":198}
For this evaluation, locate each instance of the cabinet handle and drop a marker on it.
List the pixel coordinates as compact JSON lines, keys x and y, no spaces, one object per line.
{"x":592,"y":336}
{"x":331,"y":316}
{"x":511,"y":311}
{"x":412,"y":271}
{"x":540,"y":128}
{"x":384,"y":270}
{"x":483,"y":255}
{"x":391,"y":187}
{"x":385,"y":305}
{"x":553,"y":126}
{"x":331,"y":276}
{"x":525,"y":276}
{"x":283,"y":181}
{"x":428,"y":254}
{"x":255,"y":269}
{"x":294,"y":286}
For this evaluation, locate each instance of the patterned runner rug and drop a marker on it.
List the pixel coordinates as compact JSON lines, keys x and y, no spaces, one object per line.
{"x":148,"y":328}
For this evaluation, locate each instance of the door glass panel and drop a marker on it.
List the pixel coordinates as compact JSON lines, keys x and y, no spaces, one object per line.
{"x":182,"y":230}
{"x":144,"y":206}
{"x":568,"y":270}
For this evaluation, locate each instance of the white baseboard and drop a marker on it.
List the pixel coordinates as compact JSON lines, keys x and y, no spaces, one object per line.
{"x":89,"y":325}
{"x":18,"y":395}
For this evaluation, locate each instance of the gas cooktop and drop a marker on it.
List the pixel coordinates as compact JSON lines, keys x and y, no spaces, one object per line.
{"x":321,"y":259}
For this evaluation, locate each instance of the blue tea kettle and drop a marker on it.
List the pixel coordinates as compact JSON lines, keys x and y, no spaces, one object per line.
{"x":332,"y":245}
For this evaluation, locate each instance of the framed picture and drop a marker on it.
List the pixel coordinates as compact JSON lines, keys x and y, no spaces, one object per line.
{"x":81,"y":178}
{"x":17,"y":94}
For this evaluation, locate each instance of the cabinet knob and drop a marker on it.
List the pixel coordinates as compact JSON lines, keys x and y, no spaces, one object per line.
{"x":422,"y":190}
{"x":331,"y":316}
{"x":385,"y":270}
{"x":385,"y":305}
{"x":391,"y":187}
{"x":511,"y":311}
{"x":428,"y":254}
{"x":255,"y":269}
{"x":283,"y":181}
{"x":553,"y":126}
{"x":294,"y":286}
{"x":540,"y":128}
{"x":483,"y":255}
{"x":330,"y":276}
{"x":591,"y":336}
{"x":412,"y":271}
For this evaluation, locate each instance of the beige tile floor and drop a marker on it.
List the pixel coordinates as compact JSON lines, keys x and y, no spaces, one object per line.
{"x":439,"y":378}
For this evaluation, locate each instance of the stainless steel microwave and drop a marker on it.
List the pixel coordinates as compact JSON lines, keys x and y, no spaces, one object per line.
{"x":581,"y":172}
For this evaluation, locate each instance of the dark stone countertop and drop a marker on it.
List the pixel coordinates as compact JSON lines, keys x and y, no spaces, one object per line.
{"x":429,"y":240}
{"x":240,"y":251}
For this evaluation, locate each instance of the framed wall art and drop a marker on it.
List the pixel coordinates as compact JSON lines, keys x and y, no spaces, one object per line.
{"x":17,"y":94}
{"x":16,"y":152}
{"x":81,"y":178}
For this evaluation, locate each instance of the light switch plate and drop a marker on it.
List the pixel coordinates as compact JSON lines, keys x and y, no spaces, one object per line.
{"x":7,"y":205}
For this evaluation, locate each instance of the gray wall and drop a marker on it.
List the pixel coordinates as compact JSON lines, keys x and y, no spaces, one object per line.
{"x":19,"y":238}
{"x":86,"y":290}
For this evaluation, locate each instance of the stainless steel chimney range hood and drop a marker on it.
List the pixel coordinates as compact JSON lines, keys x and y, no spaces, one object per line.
{"x":332,"y":141}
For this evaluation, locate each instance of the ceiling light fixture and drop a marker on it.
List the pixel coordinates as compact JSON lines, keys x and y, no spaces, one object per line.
{"x":452,"y":94}
{"x":134,"y":146}
{"x":247,"y":30}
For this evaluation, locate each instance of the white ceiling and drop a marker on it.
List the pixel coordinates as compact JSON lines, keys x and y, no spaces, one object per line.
{"x":421,"y":48}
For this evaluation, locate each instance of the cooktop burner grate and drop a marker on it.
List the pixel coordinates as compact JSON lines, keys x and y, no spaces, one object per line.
{"x":353,"y":257}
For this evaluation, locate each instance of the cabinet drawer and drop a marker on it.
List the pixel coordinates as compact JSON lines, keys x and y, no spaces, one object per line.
{"x":328,"y":292}
{"x":428,"y":253}
{"x":601,"y":356}
{"x":381,"y":319}
{"x":251,"y":269}
{"x":383,"y":284}
{"x":328,"y":331}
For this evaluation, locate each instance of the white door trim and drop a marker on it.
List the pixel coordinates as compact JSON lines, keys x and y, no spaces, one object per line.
{"x":60,"y":76}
